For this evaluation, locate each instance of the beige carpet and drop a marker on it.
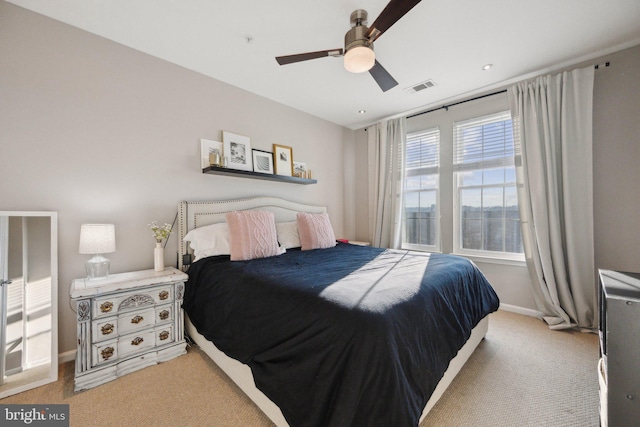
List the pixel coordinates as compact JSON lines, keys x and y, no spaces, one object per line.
{"x":522,"y":374}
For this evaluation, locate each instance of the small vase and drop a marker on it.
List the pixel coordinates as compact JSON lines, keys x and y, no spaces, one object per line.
{"x":158,"y":257}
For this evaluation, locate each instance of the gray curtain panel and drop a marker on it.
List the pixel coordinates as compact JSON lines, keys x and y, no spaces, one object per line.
{"x":553,"y":120}
{"x":386,"y":166}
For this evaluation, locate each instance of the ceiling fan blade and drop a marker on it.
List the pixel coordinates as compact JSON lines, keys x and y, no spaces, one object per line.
{"x":392,"y":12}
{"x":382,"y":77}
{"x":289,"y":59}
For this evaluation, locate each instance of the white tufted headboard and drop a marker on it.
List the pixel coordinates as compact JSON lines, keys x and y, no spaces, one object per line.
{"x":194,"y":214}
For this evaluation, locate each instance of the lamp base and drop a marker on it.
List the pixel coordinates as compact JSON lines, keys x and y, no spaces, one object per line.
{"x":98,"y":267}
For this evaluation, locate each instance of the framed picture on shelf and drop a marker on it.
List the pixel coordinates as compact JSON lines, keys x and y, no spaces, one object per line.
{"x":210,"y":153}
{"x":237,"y":149}
{"x":262,"y":161}
{"x":283,"y":160}
{"x":300,"y":170}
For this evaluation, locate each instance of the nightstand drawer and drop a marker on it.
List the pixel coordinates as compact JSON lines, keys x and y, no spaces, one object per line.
{"x":164,"y":335}
{"x":136,"y":320}
{"x":136,"y":342}
{"x":104,"y":352}
{"x":164,"y":314}
{"x":114,"y":304}
{"x":104,"y":329}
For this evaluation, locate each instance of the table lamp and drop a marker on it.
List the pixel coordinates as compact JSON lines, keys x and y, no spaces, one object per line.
{"x":97,"y":239}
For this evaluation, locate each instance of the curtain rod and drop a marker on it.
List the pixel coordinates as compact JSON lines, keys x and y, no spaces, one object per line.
{"x":446,"y":107}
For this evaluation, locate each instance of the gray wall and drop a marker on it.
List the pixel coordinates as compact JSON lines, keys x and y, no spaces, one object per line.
{"x":103,"y":133}
{"x":616,"y":154}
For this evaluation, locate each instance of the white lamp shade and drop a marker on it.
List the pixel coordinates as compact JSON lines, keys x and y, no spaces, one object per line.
{"x":97,"y":238}
{"x":359,"y":59}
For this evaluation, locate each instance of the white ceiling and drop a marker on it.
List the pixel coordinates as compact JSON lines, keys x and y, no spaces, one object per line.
{"x":447,"y":41}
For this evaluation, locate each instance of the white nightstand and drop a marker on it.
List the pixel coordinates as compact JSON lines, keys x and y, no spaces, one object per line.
{"x":127,"y":322}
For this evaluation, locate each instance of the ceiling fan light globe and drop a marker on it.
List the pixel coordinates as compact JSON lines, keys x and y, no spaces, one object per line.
{"x":359,"y":59}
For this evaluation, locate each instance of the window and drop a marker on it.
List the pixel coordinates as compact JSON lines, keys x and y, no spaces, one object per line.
{"x":486,"y":218}
{"x":420,"y":222}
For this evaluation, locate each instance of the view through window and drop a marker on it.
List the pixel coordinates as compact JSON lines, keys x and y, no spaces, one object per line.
{"x":420,"y":222}
{"x":486,"y":201}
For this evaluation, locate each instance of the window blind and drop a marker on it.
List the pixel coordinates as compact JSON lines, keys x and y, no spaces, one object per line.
{"x":423,"y":152}
{"x":484,"y":142}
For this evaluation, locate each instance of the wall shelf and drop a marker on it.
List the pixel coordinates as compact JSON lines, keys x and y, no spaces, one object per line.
{"x":214,"y":170}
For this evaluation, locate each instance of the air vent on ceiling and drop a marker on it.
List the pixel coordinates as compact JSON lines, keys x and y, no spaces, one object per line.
{"x":420,"y":86}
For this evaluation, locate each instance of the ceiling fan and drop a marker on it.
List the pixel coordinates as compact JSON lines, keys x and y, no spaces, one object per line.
{"x":358,"y":43}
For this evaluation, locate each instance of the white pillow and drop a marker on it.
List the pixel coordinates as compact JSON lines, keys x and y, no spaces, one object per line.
{"x":288,"y":234}
{"x":209,"y":240}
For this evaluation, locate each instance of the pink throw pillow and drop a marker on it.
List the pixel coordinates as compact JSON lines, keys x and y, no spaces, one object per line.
{"x":315,"y":231}
{"x":252,"y":234}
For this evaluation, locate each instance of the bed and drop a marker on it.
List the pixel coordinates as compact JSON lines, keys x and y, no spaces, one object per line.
{"x":336,"y":336}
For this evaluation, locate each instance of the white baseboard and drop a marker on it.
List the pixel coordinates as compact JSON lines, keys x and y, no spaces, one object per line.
{"x":521,"y":310}
{"x":66,"y":357}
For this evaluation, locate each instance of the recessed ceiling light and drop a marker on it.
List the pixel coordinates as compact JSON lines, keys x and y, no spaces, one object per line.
{"x":362,"y":111}
{"x":487,"y":66}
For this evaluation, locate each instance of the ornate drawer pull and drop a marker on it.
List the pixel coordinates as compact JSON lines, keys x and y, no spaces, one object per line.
{"x":107,"y":353}
{"x":163,"y":335}
{"x":163,"y":295}
{"x":137,"y":319}
{"x":106,"y":307}
{"x":164,"y":315}
{"x":107,"y":329}
{"x":137,"y":341}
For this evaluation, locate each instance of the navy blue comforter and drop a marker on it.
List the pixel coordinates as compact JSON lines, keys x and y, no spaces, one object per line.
{"x":346,"y":336}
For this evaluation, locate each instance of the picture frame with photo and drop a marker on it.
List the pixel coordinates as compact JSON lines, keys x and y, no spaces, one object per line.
{"x":262,"y":161}
{"x":283,"y":160}
{"x":300,"y":170}
{"x":208,"y":150}
{"x":237,"y":150}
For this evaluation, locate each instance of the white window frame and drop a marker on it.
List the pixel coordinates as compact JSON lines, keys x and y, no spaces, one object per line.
{"x":457,"y":169}
{"x":435,"y":171}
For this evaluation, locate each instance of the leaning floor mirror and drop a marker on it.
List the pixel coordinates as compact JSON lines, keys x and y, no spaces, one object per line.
{"x":28,"y":300}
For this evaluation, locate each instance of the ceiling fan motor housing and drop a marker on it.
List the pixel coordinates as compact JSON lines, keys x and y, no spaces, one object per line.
{"x":356,"y":37}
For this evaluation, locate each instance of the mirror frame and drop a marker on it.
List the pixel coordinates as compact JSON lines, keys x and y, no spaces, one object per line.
{"x":53,"y":369}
